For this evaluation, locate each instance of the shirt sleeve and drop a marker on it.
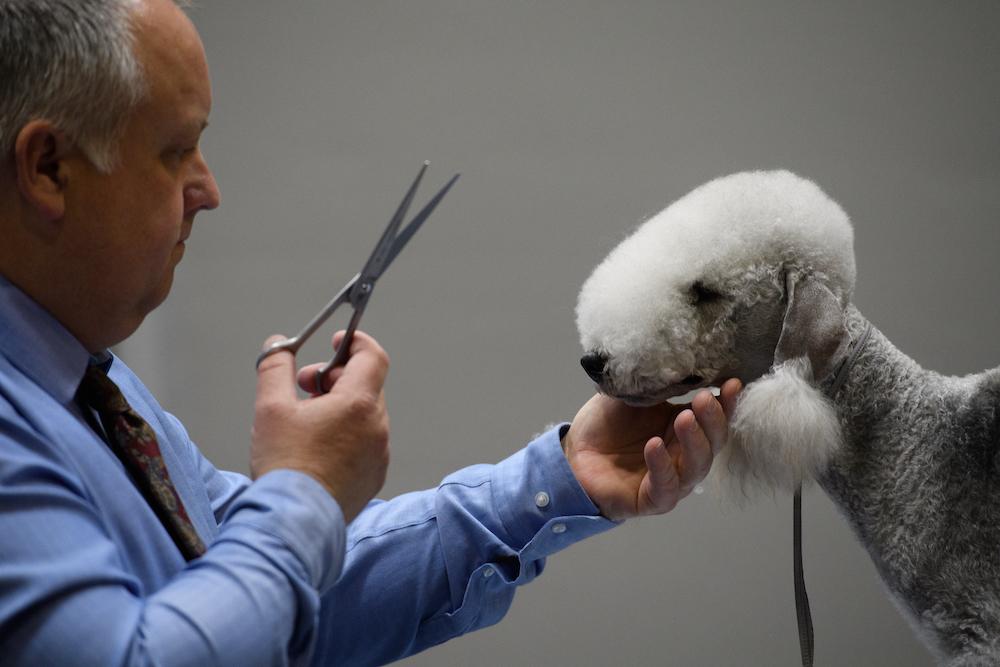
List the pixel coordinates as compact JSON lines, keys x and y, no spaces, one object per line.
{"x":70,"y":594}
{"x":429,"y":566}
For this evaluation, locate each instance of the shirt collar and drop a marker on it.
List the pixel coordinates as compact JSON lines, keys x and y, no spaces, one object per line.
{"x":36,"y":343}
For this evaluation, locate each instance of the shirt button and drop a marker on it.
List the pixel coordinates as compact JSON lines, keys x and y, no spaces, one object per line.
{"x":542,"y":499}
{"x":488,"y":572}
{"x":559,"y":528}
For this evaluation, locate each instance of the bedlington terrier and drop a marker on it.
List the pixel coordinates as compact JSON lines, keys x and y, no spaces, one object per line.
{"x":751,"y":276}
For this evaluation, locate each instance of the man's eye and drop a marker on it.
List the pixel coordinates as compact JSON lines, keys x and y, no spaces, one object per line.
{"x":180,"y":153}
{"x":701,"y":294}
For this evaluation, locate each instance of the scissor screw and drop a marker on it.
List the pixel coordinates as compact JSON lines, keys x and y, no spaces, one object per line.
{"x":366,"y":288}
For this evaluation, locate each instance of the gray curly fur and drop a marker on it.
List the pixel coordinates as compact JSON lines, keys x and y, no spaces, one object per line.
{"x":918,"y":481}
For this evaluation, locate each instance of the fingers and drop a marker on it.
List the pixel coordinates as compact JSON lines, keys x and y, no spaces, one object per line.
{"x":712,"y":419}
{"x":366,"y":367}
{"x":728,"y":395}
{"x":307,"y":374}
{"x":691,"y":451}
{"x":364,"y":371}
{"x":659,"y":490}
{"x":306,"y":377}
{"x":695,"y":436}
{"x":276,"y":373}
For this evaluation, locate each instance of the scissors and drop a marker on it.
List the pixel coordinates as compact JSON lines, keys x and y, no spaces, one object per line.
{"x":358,"y":289}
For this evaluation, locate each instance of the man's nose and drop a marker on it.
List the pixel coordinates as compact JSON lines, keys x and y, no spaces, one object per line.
{"x":595,"y":364}
{"x":208,"y":195}
{"x":203,"y":194}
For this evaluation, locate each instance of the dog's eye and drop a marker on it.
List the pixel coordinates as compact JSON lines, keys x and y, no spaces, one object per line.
{"x":702,"y":294}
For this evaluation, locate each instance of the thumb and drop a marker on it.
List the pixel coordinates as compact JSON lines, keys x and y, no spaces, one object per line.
{"x":276,"y":373}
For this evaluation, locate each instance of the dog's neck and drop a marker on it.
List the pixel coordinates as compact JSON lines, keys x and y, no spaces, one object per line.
{"x":871,"y":400}
{"x":831,"y":385}
{"x":879,"y":387}
{"x":886,"y":475}
{"x":871,"y":363}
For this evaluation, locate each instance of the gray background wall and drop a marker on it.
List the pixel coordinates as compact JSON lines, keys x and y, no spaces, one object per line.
{"x":571,"y":122}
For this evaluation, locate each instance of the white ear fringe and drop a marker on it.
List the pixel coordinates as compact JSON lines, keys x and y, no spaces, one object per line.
{"x":784,"y":432}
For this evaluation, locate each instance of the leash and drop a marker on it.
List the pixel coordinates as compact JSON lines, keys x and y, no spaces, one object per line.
{"x":803,"y":614}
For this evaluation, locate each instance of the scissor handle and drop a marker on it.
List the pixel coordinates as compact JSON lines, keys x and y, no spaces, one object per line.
{"x":295,"y":342}
{"x":290,"y":344}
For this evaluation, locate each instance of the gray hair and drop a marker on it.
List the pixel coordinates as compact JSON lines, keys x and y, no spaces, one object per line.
{"x":71,"y":62}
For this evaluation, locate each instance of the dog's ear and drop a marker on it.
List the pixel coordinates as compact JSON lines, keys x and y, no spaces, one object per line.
{"x":814,"y":326}
{"x":785,"y":431}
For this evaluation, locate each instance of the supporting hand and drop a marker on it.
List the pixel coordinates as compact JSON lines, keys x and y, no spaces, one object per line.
{"x":635,"y":461}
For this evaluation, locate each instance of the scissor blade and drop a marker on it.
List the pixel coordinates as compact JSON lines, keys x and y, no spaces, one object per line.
{"x":404,"y":236}
{"x":377,"y":261}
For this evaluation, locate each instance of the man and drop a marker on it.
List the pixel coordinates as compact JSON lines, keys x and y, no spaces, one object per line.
{"x":119,"y":542}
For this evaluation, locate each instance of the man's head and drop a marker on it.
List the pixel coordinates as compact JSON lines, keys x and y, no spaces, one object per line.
{"x":72,"y":63}
{"x":102,"y":107}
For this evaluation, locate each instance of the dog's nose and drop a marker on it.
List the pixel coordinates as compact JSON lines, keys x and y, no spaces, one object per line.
{"x":594,"y":363}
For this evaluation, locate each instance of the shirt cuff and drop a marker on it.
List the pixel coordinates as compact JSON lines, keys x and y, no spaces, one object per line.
{"x":539,"y":500}
{"x":297,"y":510}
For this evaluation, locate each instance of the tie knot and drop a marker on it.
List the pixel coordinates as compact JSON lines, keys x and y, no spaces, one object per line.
{"x":99,"y":392}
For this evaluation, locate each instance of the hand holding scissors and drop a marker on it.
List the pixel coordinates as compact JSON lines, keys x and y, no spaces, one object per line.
{"x":359,"y":289}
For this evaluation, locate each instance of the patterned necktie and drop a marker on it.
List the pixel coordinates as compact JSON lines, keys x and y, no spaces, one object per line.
{"x":133,"y":441}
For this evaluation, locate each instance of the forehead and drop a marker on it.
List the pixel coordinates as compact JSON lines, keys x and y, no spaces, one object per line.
{"x":173,"y":59}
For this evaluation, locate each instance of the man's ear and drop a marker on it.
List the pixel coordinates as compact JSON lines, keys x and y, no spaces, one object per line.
{"x":814,"y":325}
{"x":39,"y":154}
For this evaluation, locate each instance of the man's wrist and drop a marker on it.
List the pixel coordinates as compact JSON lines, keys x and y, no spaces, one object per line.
{"x":295,"y":508}
{"x":536,"y":485}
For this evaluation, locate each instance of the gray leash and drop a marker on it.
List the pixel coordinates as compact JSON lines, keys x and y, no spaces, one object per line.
{"x":802,"y":613}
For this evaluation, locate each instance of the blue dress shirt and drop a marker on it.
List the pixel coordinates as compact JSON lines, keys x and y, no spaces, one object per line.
{"x":89,"y":576}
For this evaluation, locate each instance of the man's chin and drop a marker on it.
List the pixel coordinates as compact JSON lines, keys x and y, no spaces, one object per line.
{"x":154,"y":299}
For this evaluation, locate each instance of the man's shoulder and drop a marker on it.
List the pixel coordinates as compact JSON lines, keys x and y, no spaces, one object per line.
{"x":37,"y":431}
{"x":29,"y":420}
{"x":19,"y":397}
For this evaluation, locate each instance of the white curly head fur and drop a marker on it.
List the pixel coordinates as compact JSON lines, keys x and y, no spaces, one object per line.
{"x":747,"y":276}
